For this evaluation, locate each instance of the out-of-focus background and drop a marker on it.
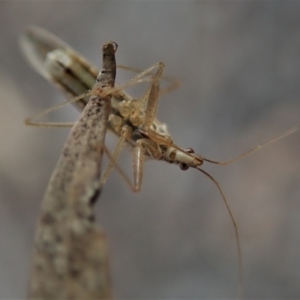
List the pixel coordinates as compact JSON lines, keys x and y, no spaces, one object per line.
{"x":239,"y":66}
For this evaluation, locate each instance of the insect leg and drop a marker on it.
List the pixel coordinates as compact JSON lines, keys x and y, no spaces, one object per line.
{"x":30,"y":121}
{"x":125,"y":135}
{"x":142,"y":146}
{"x":152,"y":100}
{"x":174,"y":83}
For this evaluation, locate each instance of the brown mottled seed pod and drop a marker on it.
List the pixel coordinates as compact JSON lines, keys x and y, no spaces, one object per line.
{"x":70,"y":253}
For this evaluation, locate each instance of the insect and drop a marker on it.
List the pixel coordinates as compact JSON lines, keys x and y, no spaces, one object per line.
{"x":133,"y":120}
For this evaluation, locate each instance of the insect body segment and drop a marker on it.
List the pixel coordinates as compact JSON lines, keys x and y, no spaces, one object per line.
{"x":171,"y":153}
{"x":185,"y":159}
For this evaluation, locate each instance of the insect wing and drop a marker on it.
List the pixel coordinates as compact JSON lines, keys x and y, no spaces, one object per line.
{"x":58,"y":63}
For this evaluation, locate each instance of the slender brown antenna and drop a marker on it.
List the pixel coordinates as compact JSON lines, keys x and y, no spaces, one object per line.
{"x":256,"y":148}
{"x":238,"y":244}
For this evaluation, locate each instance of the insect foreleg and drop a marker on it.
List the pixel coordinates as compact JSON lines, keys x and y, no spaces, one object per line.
{"x":139,"y":151}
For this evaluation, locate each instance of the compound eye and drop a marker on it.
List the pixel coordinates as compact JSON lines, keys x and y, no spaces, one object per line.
{"x":183,"y":166}
{"x":190,"y":150}
{"x":115,"y":45}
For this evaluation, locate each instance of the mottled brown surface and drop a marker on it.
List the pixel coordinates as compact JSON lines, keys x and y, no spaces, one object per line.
{"x":70,"y":254}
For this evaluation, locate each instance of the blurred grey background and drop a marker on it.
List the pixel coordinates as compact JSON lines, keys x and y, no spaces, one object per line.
{"x":239,"y":66}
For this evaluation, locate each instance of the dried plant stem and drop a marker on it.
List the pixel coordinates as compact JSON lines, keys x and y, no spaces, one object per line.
{"x":70,"y":258}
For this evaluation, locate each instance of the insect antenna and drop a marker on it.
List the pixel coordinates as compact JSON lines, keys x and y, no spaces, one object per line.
{"x":256,"y":148}
{"x":238,"y":244}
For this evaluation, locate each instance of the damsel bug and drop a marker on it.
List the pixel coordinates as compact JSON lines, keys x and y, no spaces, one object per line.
{"x":133,"y":120}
